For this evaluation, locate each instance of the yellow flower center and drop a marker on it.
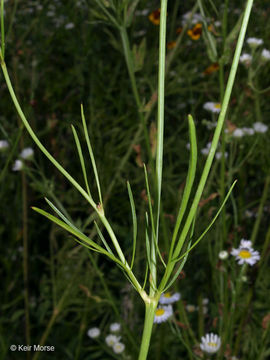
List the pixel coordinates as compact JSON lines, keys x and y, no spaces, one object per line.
{"x":244,"y":254}
{"x":167,"y":295}
{"x":217,"y":106}
{"x":160,"y":312}
{"x":212,"y":344}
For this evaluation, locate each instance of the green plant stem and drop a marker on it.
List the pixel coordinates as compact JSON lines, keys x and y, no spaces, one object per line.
{"x":212,"y":151}
{"x":25,"y":261}
{"x":150,"y":309}
{"x":2,"y":29}
{"x":260,"y":211}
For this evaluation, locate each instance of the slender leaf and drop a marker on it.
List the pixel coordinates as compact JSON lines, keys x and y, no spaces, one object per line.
{"x":79,"y":149}
{"x":189,"y":181}
{"x":103,"y":239}
{"x":134,"y":222}
{"x":91,"y":154}
{"x":210,"y":225}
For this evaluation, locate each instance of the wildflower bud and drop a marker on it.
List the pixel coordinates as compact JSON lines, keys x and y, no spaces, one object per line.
{"x":223,"y":255}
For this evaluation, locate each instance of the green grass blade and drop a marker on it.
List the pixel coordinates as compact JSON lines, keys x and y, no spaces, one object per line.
{"x":134,"y":222}
{"x":91,"y":154}
{"x":189,"y":181}
{"x":79,"y":149}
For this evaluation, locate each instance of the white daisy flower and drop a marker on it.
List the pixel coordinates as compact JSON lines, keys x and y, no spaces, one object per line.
{"x":259,"y":127}
{"x":245,"y":59}
{"x":238,"y":133}
{"x":169,"y":298}
{"x":246,"y":254}
{"x":112,"y":339}
{"x":248,"y":131}
{"x":254,"y":42}
{"x":212,"y":106}
{"x":223,"y":255}
{"x":93,"y":332}
{"x":118,"y":348}
{"x":210,"y":343}
{"x":115,"y":327}
{"x":4,"y":144}
{"x":17,"y":166}
{"x":163,"y":313}
{"x":27,"y":153}
{"x":265,"y":55}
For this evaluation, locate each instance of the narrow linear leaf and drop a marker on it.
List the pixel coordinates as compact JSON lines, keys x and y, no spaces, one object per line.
{"x":79,"y":149}
{"x":151,"y":216}
{"x":134,"y":223}
{"x":148,"y":250}
{"x":179,"y":269}
{"x":60,"y":214}
{"x":74,"y":231}
{"x":103,"y":239}
{"x":91,"y":153}
{"x":145,"y":276}
{"x":189,"y":181}
{"x":210,"y":225}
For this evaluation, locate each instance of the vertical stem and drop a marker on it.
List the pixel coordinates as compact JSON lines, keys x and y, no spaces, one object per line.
{"x":2,"y":29}
{"x":150,"y":309}
{"x":25,"y":262}
{"x":160,"y":125}
{"x":260,"y":211}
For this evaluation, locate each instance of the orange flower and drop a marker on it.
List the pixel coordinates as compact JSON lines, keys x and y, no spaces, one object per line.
{"x":171,"y":45}
{"x":212,"y":68}
{"x":154,"y":17}
{"x":196,"y":32}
